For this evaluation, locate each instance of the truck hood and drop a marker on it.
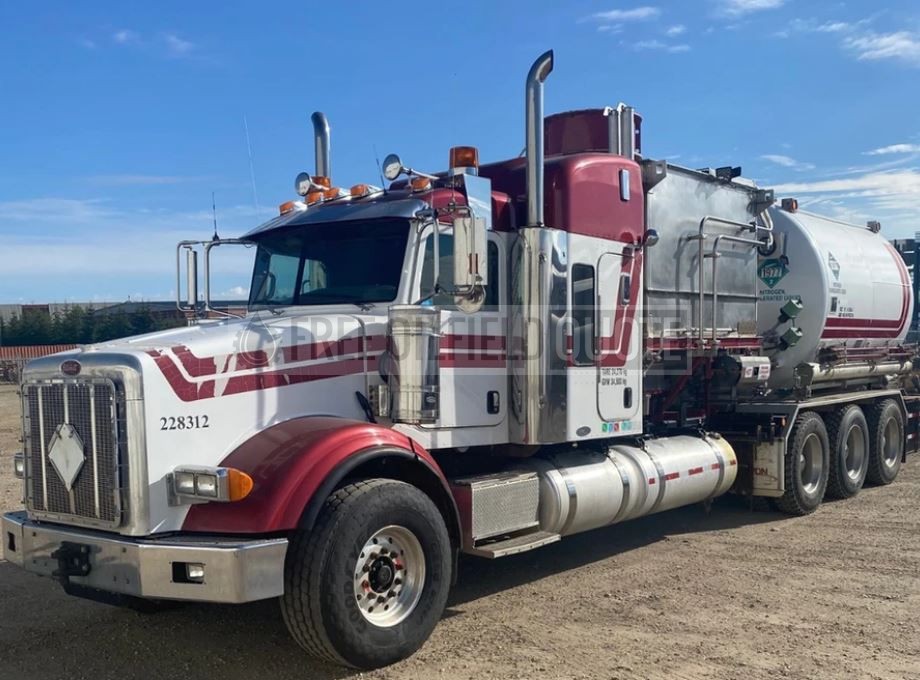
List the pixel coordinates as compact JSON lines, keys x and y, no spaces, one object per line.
{"x":261,"y":350}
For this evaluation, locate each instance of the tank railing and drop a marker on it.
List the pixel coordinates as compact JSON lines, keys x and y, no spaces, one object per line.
{"x":701,"y":237}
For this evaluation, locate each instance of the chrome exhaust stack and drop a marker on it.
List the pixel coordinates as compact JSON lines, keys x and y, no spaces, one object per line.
{"x":321,"y":143}
{"x":541,"y":68}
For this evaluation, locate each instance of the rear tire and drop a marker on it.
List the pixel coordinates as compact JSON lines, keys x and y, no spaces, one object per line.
{"x":886,"y":442}
{"x":848,"y":433}
{"x":348,"y":602}
{"x":806,"y":466}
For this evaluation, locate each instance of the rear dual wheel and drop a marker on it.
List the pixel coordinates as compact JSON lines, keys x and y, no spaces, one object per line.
{"x":806,"y":466}
{"x":848,"y":433}
{"x":886,"y":437}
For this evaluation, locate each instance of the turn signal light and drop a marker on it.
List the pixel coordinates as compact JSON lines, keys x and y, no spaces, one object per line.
{"x":194,"y":484}
{"x":239,"y":484}
{"x":464,"y":157}
{"x":285,"y":207}
{"x":790,"y":205}
{"x":420,"y":183}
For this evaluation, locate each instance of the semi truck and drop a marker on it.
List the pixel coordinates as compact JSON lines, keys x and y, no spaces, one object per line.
{"x":481,"y":360}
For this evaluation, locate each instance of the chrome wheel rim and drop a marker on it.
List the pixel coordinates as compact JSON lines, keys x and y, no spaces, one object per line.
{"x":854,"y":453}
{"x":389,"y":576}
{"x":891,"y":443}
{"x":811,"y":464}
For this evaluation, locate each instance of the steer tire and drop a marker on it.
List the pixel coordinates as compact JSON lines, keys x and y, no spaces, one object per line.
{"x":886,"y":441}
{"x":328,"y":565}
{"x":808,"y":453}
{"x":848,"y":433}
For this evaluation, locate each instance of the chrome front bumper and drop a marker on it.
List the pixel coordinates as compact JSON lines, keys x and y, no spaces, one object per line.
{"x":234,"y":570}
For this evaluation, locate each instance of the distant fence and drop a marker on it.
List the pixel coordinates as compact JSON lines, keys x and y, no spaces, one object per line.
{"x":14,"y":359}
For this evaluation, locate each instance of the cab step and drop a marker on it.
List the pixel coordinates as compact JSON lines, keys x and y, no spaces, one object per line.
{"x":514,"y":545}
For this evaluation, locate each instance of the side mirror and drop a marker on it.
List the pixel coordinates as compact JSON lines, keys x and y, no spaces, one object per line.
{"x":470,"y":262}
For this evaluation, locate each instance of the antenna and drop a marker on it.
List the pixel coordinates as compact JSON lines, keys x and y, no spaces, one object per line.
{"x":252,"y":169}
{"x":379,"y":167}
{"x":214,"y":213}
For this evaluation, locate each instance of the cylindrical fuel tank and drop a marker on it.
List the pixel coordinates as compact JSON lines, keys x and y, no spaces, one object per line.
{"x":852,"y":283}
{"x":580,"y":491}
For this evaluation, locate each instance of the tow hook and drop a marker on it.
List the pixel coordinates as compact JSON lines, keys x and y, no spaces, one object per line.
{"x":73,"y":560}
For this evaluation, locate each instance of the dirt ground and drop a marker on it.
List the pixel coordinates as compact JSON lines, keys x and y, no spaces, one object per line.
{"x":729,"y":594}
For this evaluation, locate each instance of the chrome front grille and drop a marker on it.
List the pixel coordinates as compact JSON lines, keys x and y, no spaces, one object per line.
{"x":92,"y":409}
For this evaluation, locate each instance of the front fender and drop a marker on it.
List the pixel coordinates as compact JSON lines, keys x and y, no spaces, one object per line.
{"x":293,"y":461}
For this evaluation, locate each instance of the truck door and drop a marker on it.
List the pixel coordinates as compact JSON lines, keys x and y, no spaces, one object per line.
{"x":474,"y":363}
{"x":619,"y":340}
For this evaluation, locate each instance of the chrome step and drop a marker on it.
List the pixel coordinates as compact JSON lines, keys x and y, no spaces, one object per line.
{"x":515,"y":545}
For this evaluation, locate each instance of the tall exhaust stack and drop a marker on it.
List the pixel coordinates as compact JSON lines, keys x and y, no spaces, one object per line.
{"x":321,"y":144}
{"x":541,"y":68}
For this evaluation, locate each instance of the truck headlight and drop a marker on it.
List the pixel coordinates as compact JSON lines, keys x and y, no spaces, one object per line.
{"x":19,"y":465}
{"x":190,"y":484}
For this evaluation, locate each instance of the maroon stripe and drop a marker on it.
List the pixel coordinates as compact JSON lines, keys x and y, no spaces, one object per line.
{"x":470,"y":342}
{"x":841,"y":322}
{"x":695,"y":471}
{"x":671,"y":475}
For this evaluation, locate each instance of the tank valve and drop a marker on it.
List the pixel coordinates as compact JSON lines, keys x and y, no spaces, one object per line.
{"x":790,"y":310}
{"x":790,"y":338}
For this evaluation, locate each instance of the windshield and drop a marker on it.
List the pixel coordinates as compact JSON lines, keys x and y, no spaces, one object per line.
{"x":333,"y":263}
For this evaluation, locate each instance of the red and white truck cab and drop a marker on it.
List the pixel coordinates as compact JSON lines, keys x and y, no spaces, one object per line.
{"x":482,"y":360}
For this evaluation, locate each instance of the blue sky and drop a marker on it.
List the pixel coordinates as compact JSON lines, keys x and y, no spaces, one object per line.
{"x":118,"y":120}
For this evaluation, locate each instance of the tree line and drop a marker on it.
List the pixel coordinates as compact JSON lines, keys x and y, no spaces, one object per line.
{"x":79,"y":325}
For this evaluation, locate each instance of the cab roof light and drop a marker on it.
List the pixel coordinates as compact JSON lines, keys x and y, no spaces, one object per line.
{"x":286,"y":207}
{"x":464,"y":157}
{"x":420,"y":183}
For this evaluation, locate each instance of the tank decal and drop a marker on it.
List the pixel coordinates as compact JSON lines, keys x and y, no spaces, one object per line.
{"x":843,"y":327}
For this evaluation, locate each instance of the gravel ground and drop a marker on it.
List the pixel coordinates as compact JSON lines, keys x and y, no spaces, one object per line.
{"x":685,"y":594}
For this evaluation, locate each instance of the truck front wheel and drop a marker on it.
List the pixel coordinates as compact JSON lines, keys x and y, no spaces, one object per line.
{"x":367,"y":585}
{"x":806,"y":466}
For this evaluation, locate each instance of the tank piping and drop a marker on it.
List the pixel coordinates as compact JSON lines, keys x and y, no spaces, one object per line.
{"x":321,"y":144}
{"x":539,"y":71}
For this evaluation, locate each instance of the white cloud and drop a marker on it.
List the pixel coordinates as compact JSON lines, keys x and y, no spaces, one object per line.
{"x":87,"y":240}
{"x":235,"y":292}
{"x":612,"y":29}
{"x":125,"y":36}
{"x":894,"y":183}
{"x":636,"y":14}
{"x":901,"y":46}
{"x":676,"y":30}
{"x":87,"y":43}
{"x":894,"y":148}
{"x":176,"y":46}
{"x":658,"y":45}
{"x":891,"y":197}
{"x":787,"y":162}
{"x":736,"y":8}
